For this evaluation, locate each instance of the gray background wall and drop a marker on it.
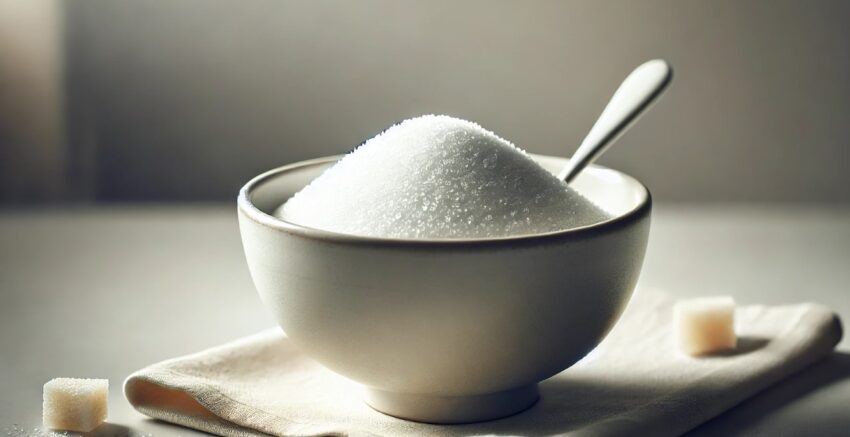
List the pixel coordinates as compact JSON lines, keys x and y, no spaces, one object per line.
{"x":186,"y":100}
{"x":32,"y":135}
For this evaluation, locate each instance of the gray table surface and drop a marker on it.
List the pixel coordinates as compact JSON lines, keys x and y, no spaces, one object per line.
{"x":102,"y":292}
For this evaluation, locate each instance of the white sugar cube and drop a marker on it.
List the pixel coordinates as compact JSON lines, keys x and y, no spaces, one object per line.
{"x":705,"y":325}
{"x":75,"y":404}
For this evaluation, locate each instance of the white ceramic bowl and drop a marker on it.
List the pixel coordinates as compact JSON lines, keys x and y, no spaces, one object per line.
{"x":446,"y":331}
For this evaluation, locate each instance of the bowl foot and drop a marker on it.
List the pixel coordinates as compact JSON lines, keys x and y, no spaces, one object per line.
{"x":452,"y":409}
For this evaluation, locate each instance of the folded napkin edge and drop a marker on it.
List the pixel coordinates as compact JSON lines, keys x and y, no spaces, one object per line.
{"x":190,"y":401}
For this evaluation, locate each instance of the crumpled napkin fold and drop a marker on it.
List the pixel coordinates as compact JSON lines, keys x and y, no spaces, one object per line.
{"x":634,"y":383}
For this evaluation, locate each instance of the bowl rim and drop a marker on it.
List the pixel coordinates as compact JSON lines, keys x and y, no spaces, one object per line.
{"x":247,"y":208}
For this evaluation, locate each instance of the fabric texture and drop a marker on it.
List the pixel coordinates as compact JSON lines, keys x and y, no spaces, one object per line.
{"x":634,"y":383}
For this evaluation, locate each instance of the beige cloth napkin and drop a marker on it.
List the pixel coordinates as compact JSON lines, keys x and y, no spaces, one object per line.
{"x":634,"y":383}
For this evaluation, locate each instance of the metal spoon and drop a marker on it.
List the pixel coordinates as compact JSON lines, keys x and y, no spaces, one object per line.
{"x":635,"y":95}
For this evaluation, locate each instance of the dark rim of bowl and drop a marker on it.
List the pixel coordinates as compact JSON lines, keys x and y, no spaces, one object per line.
{"x":246,"y":206}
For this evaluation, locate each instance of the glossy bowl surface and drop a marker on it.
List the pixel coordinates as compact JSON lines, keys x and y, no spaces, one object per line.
{"x":454,"y":330}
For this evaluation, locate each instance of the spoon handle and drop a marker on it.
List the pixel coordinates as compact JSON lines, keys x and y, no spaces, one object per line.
{"x":634,"y":96}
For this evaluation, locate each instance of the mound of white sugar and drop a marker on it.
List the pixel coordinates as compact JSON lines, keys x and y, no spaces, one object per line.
{"x":438,"y":177}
